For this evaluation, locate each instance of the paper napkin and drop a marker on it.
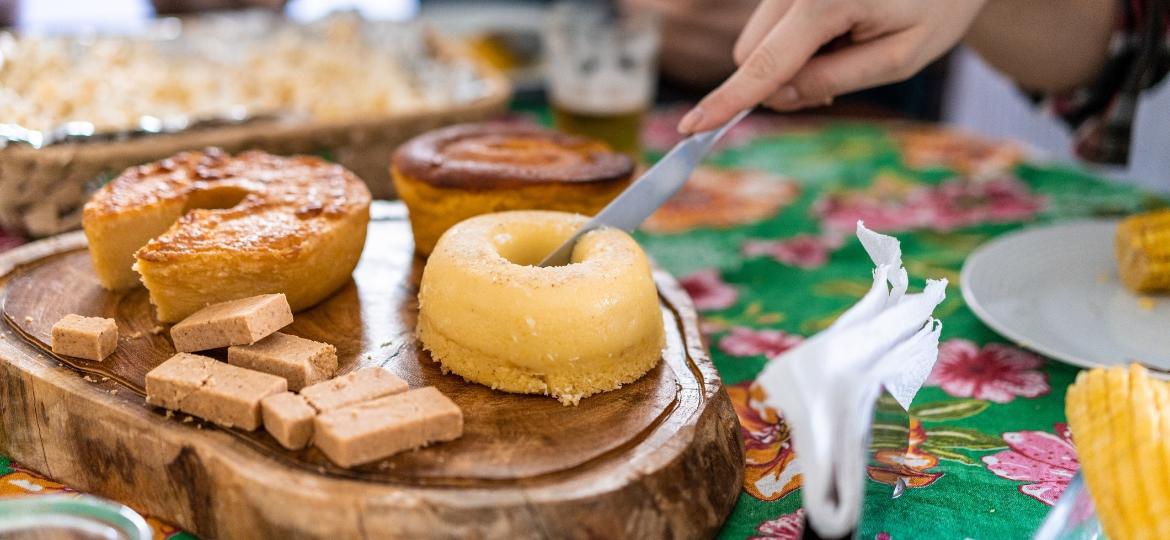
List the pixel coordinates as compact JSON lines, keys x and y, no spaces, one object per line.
{"x":826,"y":388}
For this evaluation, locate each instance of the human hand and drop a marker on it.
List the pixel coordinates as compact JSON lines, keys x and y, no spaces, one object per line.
{"x":885,"y":41}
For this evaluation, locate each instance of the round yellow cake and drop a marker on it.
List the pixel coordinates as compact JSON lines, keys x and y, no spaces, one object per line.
{"x":490,"y":315}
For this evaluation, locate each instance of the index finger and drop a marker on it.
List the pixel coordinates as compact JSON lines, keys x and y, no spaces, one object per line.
{"x":763,"y":18}
{"x":783,"y":51}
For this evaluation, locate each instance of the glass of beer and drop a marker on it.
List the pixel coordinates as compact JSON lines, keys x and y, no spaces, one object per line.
{"x":600,"y":66}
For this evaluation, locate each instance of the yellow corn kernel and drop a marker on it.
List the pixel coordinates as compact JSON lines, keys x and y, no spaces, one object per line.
{"x":1120,"y":421}
{"x":1142,"y":247}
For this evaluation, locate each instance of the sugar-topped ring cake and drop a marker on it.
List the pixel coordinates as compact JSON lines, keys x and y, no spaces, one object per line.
{"x":451,"y":174}
{"x":490,"y":315}
{"x":205,"y":227}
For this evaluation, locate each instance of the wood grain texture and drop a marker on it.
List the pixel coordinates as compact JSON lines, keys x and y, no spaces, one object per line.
{"x":658,"y":458}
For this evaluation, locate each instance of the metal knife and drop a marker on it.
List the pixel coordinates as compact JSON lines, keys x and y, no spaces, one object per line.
{"x":649,"y":191}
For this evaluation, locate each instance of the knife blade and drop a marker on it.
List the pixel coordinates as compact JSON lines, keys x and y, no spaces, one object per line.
{"x":649,"y":191}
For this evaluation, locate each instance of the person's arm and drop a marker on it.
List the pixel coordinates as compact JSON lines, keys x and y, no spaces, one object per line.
{"x":1045,"y":45}
{"x":1090,"y":63}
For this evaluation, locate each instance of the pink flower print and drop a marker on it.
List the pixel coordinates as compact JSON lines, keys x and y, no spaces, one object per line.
{"x":841,"y":213}
{"x":1048,"y":461}
{"x":958,"y":204}
{"x":743,"y":341}
{"x":997,"y":372}
{"x":708,"y":290}
{"x":892,"y":206}
{"x":801,"y":251}
{"x":786,"y":527}
{"x":660,"y":131}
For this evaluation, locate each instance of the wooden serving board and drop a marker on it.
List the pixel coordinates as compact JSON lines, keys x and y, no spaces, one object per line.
{"x":661,"y":457}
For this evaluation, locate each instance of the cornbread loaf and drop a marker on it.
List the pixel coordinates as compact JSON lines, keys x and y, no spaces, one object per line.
{"x":289,"y":419}
{"x":361,"y":385}
{"x":207,"y":227}
{"x":220,"y":393}
{"x":92,"y":338}
{"x":236,"y":322}
{"x":453,"y":173}
{"x":300,"y":361}
{"x":373,"y":430}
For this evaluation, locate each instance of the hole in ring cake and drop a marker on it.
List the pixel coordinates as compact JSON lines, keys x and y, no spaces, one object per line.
{"x":489,"y":315}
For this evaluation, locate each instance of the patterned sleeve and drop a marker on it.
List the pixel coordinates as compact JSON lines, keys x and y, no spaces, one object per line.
{"x":1102,"y":112}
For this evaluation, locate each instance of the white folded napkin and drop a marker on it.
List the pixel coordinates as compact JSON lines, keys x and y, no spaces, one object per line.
{"x":826,"y":388}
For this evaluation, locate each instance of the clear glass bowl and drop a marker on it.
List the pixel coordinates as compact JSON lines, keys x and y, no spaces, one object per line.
{"x":1073,"y":517}
{"x":69,"y":517}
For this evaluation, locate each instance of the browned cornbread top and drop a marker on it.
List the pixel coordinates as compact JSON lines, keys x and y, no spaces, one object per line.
{"x":282,"y":200}
{"x":488,"y":156}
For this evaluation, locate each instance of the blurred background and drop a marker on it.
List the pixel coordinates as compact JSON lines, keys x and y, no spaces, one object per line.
{"x":960,"y":89}
{"x":673,"y":60}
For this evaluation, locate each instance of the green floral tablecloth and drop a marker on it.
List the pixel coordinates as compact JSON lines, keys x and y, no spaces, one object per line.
{"x":762,"y":239}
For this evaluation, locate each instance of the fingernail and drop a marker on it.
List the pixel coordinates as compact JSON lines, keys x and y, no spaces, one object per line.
{"x":787,"y":94}
{"x":690,"y":120}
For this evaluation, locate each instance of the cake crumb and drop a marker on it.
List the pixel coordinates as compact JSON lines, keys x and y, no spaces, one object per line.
{"x":114,"y":392}
{"x":104,"y":379}
{"x":28,"y":318}
{"x":158,"y":329}
{"x":188,"y":419}
{"x":1146,"y":303}
{"x":169,"y":414}
{"x":87,"y":378}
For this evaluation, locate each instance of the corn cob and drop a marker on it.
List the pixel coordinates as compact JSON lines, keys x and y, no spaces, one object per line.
{"x":1142,"y":247}
{"x":1120,"y":420}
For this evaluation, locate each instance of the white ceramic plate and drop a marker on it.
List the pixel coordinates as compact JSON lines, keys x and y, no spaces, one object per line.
{"x":1054,"y":289}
